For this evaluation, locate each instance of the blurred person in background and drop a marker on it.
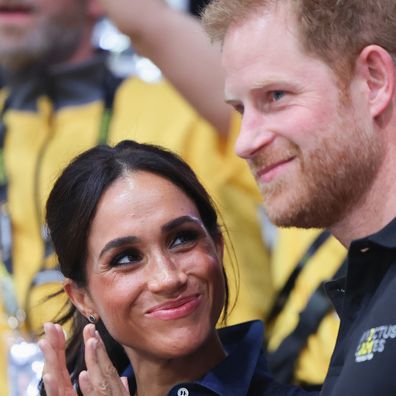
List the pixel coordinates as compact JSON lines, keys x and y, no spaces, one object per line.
{"x":59,"y":98}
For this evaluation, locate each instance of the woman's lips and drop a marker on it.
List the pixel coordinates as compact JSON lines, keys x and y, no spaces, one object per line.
{"x":175,"y":309}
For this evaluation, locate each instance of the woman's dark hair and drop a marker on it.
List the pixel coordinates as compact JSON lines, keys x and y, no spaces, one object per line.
{"x":71,"y":207}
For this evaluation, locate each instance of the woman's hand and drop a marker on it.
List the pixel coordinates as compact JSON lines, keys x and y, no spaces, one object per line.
{"x":56,"y":378}
{"x":101,"y":378}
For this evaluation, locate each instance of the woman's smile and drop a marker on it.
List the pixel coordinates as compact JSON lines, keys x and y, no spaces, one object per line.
{"x":175,"y":309}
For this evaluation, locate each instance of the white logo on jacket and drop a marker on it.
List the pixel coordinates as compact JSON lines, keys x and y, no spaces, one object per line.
{"x":374,"y":341}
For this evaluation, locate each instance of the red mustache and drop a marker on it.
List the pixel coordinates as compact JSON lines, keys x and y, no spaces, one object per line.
{"x":275,"y":154}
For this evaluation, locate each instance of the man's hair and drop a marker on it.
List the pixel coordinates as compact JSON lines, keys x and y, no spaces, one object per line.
{"x":335,"y":31}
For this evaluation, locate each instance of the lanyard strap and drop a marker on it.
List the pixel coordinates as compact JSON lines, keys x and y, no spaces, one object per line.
{"x":111,"y":84}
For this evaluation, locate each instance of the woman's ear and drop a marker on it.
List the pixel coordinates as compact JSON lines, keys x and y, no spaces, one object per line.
{"x":79,"y":297}
{"x":377,"y":68}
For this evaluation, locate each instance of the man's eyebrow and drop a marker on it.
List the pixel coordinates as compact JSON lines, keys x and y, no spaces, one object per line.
{"x":179,"y":221}
{"x":231,"y":99}
{"x":118,"y":242}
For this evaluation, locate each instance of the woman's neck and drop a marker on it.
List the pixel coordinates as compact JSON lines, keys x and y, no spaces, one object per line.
{"x":155,"y":377}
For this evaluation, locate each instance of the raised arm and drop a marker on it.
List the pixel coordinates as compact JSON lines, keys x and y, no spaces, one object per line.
{"x":177,"y":44}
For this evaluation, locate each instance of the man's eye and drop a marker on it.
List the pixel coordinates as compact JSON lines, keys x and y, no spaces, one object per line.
{"x":126,"y":258}
{"x":277,"y":95}
{"x":184,"y":238}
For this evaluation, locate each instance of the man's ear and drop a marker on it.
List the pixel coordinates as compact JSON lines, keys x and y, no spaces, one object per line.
{"x":79,"y":297}
{"x":378,"y":69}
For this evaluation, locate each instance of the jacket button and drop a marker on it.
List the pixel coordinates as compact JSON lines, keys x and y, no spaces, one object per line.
{"x":183,"y":392}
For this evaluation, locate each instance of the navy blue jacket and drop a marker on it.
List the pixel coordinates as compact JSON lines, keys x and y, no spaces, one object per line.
{"x":243,"y":372}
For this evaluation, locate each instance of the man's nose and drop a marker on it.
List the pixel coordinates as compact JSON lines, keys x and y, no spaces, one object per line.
{"x":165,"y":276}
{"x":253,"y":135}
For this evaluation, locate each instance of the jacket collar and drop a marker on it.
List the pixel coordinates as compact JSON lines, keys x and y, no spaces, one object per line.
{"x":385,"y":237}
{"x":233,"y":376}
{"x":65,"y":85}
{"x":364,"y":274}
{"x":243,"y":344}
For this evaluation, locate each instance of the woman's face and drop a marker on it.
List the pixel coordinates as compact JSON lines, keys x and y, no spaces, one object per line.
{"x":154,"y":273}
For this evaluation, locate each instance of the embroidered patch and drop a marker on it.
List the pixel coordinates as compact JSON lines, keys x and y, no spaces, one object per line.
{"x":374,"y":341}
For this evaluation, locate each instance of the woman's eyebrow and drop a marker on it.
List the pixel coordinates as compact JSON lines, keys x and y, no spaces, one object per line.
{"x":179,"y":221}
{"x":118,"y":242}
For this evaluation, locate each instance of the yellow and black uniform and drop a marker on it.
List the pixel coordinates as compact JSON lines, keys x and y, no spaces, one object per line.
{"x":302,"y":325}
{"x":48,"y":119}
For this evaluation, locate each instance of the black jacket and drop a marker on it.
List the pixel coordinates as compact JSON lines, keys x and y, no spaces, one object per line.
{"x":364,"y":359}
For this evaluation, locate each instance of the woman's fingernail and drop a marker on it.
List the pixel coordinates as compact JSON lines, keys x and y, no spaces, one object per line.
{"x":98,"y":337}
{"x":92,"y":330}
{"x":46,"y":327}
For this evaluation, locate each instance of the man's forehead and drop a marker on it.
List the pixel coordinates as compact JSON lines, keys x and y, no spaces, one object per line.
{"x":254,"y":36}
{"x":280,"y":15}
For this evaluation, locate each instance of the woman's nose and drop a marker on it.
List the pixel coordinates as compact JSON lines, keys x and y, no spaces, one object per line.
{"x":165,"y":277}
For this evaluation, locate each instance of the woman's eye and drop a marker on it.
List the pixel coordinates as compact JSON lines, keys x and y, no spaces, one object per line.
{"x":277,"y":95}
{"x":184,"y":238}
{"x":126,"y":258}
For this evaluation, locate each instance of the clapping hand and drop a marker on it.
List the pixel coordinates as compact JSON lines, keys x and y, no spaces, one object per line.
{"x":100,"y":378}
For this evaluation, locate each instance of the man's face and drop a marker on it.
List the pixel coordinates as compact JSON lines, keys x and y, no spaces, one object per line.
{"x":310,"y":146}
{"x":33,"y":31}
